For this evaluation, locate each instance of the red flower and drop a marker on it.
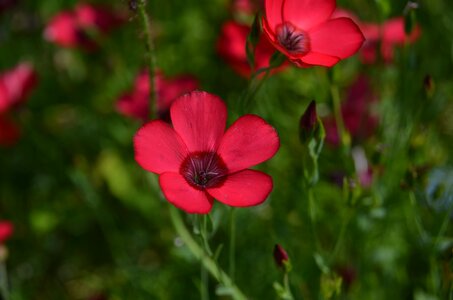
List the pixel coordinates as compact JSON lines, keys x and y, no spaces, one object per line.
{"x":15,"y":86}
{"x":357,"y":116}
{"x":6,"y":230}
{"x":231,"y":46}
{"x":69,"y":28}
{"x":136,"y":103}
{"x":389,"y":34}
{"x":304,"y":31}
{"x":198,"y":161}
{"x":248,"y":7}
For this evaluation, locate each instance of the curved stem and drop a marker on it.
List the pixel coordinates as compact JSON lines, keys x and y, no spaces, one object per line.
{"x":151,"y":59}
{"x":288,"y":295}
{"x":232,"y":258}
{"x":199,"y":254}
{"x":342,"y":133}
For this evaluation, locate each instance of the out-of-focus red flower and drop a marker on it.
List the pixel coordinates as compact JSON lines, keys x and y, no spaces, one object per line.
{"x":70,"y":28}
{"x":6,"y":230}
{"x":9,"y":132}
{"x":231,"y":46}
{"x":357,"y":116}
{"x":16,"y":85}
{"x":198,"y":161}
{"x":305,"y":32}
{"x":100,"y":18}
{"x":136,"y":103}
{"x":248,"y":7}
{"x":280,"y":256}
{"x":389,"y":35}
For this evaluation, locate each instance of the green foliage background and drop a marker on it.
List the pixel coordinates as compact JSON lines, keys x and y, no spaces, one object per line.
{"x":88,"y":220}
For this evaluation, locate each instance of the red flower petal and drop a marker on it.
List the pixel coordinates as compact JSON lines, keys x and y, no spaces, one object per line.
{"x":158,"y":148}
{"x":248,"y":142}
{"x":274,"y":12}
{"x":6,"y":230}
{"x":337,"y":37}
{"x":182,"y":195}
{"x":244,"y":188}
{"x":199,"y":118}
{"x":306,"y":14}
{"x":393,"y":32}
{"x":317,"y":59}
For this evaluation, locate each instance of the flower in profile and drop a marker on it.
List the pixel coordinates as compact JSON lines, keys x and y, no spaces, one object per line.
{"x":388,"y":35}
{"x":15,"y":87}
{"x":280,"y":256}
{"x":71,"y":28}
{"x":305,"y":32}
{"x":197,"y":160}
{"x":231,"y":47}
{"x":358,"y":117}
{"x":6,"y":230}
{"x":136,"y":103}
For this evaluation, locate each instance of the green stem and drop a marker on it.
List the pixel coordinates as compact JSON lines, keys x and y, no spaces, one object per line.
{"x":4,"y":281}
{"x":311,"y":208}
{"x":342,"y":133}
{"x":341,"y":237}
{"x":232,"y":258}
{"x":443,"y":227}
{"x":201,"y":255}
{"x":151,"y":59}
{"x":255,"y":85}
{"x":289,"y":295}
{"x":204,"y":284}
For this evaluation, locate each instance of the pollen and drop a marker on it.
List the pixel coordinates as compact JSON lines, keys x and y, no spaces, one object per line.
{"x":295,"y":41}
{"x":204,"y":170}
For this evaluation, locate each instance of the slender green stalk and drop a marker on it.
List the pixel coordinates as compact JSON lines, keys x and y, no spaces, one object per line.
{"x":204,"y":234}
{"x":342,"y":133}
{"x":289,"y":295}
{"x":232,"y":258}
{"x":4,"y":281}
{"x":443,"y":227}
{"x":311,"y":208}
{"x":151,"y":58}
{"x":341,"y":236}
{"x":204,"y":290}
{"x":201,"y":255}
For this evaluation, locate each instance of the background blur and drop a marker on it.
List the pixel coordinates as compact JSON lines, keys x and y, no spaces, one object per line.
{"x":89,"y":223}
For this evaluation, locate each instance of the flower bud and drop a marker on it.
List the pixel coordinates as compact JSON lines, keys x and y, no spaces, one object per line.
{"x":308,"y":122}
{"x":281,"y":258}
{"x":6,"y":230}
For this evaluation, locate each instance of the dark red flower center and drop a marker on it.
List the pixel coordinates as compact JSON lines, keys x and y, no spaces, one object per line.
{"x":204,"y":170}
{"x":295,"y":41}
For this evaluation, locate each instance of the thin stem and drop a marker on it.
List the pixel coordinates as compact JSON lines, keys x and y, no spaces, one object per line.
{"x":151,"y":59}
{"x":443,"y":227}
{"x":201,"y":255}
{"x":311,"y":208}
{"x":255,"y":85}
{"x":289,"y":295}
{"x":204,"y":284}
{"x":232,"y":258}
{"x":4,"y":281}
{"x":342,"y":133}
{"x":341,"y":237}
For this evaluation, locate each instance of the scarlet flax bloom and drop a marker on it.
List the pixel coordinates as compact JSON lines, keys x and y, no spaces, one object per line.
{"x":70,"y":28}
{"x":231,"y":46}
{"x":136,"y":103}
{"x":305,"y":32}
{"x":197,"y":160}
